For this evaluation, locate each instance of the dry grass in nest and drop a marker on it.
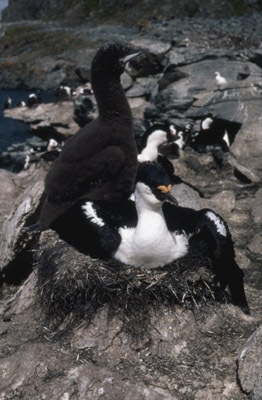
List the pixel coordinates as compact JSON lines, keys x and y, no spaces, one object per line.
{"x":73,"y":286}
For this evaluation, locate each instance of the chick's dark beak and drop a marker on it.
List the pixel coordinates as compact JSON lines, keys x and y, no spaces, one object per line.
{"x":166,"y":195}
{"x":130,"y":57}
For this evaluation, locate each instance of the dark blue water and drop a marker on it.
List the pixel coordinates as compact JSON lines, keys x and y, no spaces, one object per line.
{"x":11,"y":130}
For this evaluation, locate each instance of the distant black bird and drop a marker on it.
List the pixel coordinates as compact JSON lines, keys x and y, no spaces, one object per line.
{"x":172,"y":149}
{"x":34,"y":99}
{"x":8,"y":103}
{"x":53,"y":150}
{"x":212,"y":133}
{"x":212,"y":137}
{"x":63,"y":93}
{"x":100,"y":161}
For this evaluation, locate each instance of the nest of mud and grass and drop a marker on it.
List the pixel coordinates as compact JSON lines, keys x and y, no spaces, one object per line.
{"x":73,"y":286}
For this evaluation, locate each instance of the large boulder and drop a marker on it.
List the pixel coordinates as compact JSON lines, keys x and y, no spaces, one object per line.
{"x":247,"y":147}
{"x":239,"y":101}
{"x":8,"y":193}
{"x":180,"y":86}
{"x":47,"y":120}
{"x":15,"y":240}
{"x":250,"y":367}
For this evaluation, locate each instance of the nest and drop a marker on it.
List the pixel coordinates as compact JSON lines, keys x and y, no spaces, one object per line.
{"x":73,"y":286}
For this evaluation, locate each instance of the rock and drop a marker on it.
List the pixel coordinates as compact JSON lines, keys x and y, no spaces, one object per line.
{"x":182,"y":56}
{"x":15,"y":158}
{"x":179,"y":87}
{"x":136,"y":91}
{"x":126,"y":81}
{"x":200,"y":77}
{"x":239,"y":102}
{"x":255,"y":245}
{"x":223,"y":203}
{"x":24,"y":298}
{"x":172,"y":74}
{"x":247,"y":146}
{"x":152,"y":46}
{"x":14,"y":374}
{"x":250,"y":365}
{"x":244,"y":174}
{"x":7,"y":195}
{"x":256,"y":57}
{"x":142,"y":87}
{"x":186,"y":196}
{"x":257,"y":207}
{"x":138,"y":106}
{"x":52,"y":120}
{"x":93,"y":337}
{"x":15,"y":241}
{"x":130,"y":11}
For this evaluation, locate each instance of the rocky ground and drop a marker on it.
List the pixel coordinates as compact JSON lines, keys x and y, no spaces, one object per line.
{"x":126,"y":336}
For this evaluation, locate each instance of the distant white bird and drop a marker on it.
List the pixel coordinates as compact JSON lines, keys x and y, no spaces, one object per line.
{"x":21,"y":104}
{"x":220,"y":80}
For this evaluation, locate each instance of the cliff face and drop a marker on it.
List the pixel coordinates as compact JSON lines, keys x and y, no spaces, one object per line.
{"x":127,"y":11}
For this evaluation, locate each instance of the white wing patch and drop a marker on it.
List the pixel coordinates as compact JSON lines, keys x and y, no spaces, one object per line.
{"x":218,"y":222}
{"x":207,"y":123}
{"x":226,"y":138}
{"x":90,"y":212}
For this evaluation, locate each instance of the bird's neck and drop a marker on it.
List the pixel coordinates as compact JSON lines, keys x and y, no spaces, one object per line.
{"x":150,"y":223}
{"x":150,"y":152}
{"x":111,"y":98}
{"x":143,"y":207}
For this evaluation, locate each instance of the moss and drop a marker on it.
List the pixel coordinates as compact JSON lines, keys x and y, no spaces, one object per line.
{"x":191,"y":8}
{"x":33,"y":41}
{"x":238,"y":7}
{"x":89,"y":6}
{"x":8,"y":64}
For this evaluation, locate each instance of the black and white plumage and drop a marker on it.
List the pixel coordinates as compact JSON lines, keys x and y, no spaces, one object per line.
{"x":100,"y":161}
{"x":63,"y":93}
{"x":212,"y":136}
{"x":52,"y":151}
{"x":152,"y":138}
{"x":8,"y":103}
{"x":150,"y":148}
{"x":21,"y":104}
{"x":34,"y":99}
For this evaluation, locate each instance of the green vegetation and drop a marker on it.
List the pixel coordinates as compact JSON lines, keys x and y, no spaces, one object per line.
{"x":238,"y":7}
{"x":32,"y":39}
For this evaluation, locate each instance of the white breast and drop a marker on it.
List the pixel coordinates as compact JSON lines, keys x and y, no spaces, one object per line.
{"x":150,"y":152}
{"x":150,"y":244}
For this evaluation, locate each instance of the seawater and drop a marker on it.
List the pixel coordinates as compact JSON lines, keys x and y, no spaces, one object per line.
{"x":11,"y":130}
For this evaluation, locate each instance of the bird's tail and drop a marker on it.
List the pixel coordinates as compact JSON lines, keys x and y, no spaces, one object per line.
{"x":34,"y":228}
{"x":222,"y":254}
